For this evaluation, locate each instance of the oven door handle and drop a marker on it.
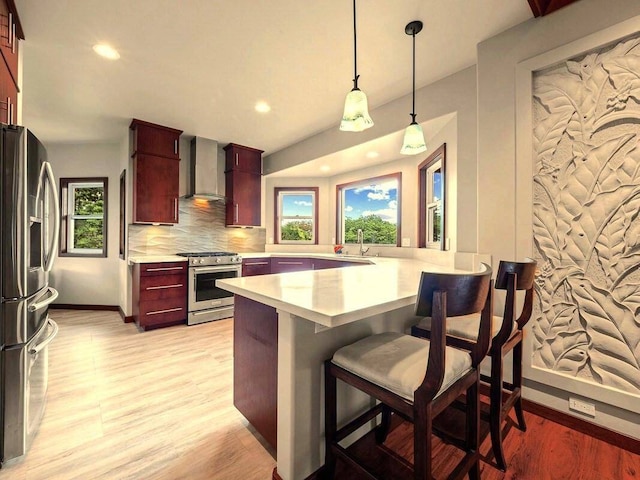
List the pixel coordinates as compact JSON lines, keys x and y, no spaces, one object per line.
{"x":217,"y":268}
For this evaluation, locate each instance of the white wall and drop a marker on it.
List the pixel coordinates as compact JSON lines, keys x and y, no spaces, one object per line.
{"x":89,"y":281}
{"x":453,"y":94}
{"x":498,"y":60}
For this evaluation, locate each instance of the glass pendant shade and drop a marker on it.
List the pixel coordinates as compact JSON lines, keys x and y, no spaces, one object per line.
{"x":413,"y":140}
{"x":356,"y":112}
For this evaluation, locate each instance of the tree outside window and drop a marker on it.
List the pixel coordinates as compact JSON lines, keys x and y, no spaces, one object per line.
{"x":84,"y":217}
{"x":373,"y":206}
{"x":296,"y":220}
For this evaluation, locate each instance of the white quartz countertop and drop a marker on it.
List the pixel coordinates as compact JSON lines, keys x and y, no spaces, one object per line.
{"x":155,"y":259}
{"x":337,"y":296}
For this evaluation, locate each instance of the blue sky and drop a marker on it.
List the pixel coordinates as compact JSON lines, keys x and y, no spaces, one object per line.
{"x":297,"y":204}
{"x":380,"y":198}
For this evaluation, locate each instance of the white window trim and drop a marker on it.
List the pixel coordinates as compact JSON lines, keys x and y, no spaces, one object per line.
{"x":432,"y":206}
{"x":72,"y":218}
{"x":282,"y":217}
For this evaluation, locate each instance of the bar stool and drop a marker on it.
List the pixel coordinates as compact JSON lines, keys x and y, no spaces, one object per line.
{"x":414,"y":378}
{"x":507,"y":336}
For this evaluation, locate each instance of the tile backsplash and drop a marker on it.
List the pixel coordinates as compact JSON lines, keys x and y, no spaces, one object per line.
{"x":201,"y":228}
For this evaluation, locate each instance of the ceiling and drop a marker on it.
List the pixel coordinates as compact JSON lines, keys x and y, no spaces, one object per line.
{"x":201,"y":65}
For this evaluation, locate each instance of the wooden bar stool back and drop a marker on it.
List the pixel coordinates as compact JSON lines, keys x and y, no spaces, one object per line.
{"x":414,"y":378}
{"x":507,"y":336}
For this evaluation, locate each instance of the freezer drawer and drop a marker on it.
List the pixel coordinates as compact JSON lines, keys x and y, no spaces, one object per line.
{"x":23,"y":318}
{"x":24,"y":388}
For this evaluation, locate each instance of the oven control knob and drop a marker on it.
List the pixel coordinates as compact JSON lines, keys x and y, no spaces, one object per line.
{"x":201,"y":261}
{"x":218,"y":260}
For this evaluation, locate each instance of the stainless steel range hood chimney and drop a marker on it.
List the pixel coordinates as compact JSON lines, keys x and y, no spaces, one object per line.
{"x":206,"y":179}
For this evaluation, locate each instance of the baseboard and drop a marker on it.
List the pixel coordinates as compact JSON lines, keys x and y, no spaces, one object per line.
{"x":314,"y":476}
{"x":71,"y":306}
{"x":596,"y":431}
{"x":125,"y":318}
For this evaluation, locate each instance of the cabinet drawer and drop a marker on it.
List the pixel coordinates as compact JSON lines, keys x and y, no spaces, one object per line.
{"x":256,"y":266}
{"x":164,"y":310}
{"x":165,"y":268}
{"x":156,"y":288}
{"x":293,"y":264}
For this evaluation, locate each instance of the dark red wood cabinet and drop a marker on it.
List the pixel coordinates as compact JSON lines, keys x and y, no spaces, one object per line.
{"x":255,"y":365}
{"x":10,"y":35}
{"x":289,"y":264}
{"x":156,"y":172}
{"x":256,"y":266}
{"x":243,"y":185}
{"x":159,"y":294}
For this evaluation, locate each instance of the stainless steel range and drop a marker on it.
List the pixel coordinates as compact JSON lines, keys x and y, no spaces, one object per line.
{"x":206,"y":301}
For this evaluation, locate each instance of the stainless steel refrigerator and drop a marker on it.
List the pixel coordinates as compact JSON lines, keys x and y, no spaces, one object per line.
{"x":29,"y":230}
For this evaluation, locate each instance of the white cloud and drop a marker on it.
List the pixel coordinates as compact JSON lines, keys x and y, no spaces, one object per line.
{"x":348,"y":208}
{"x":378,"y":195}
{"x":303,"y":203}
{"x":378,"y":191}
{"x":387,"y":214}
{"x":393,"y":204}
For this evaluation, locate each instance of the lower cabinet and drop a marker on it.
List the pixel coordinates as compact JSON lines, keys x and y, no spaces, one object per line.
{"x":256,"y":266}
{"x":159,"y":294}
{"x":289,"y":264}
{"x":255,"y":365}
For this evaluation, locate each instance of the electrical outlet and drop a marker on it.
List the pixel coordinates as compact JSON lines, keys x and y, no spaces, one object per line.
{"x":582,"y":407}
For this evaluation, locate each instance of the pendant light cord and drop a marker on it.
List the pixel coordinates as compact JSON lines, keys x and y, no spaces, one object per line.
{"x":413,"y":102}
{"x":355,"y":49}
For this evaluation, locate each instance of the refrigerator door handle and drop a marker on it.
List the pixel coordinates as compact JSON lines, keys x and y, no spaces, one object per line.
{"x":51,"y":253}
{"x":35,"y":350}
{"x":50,"y":299}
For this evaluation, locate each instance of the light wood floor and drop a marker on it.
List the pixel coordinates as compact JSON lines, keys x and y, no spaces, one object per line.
{"x":144,"y":406}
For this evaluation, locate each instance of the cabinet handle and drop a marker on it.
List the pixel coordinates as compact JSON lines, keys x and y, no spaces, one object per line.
{"x":236,"y":221}
{"x":175,"y":210}
{"x":161,"y":287}
{"x":256,"y":263}
{"x":163,"y":269}
{"x":175,"y":147}
{"x":9,"y":110}
{"x":290,"y":263}
{"x":168,"y":310}
{"x":13,"y":38}
{"x":9,"y":41}
{"x":236,"y":159}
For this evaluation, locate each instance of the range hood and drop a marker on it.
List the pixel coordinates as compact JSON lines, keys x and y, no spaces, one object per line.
{"x":206,"y":172}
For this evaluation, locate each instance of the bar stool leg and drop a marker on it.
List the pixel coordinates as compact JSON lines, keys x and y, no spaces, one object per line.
{"x":422,"y":430}
{"x":517,"y":384}
{"x":495,"y":416}
{"x":383,"y":429}
{"x":473,"y":428}
{"x":330,"y":421}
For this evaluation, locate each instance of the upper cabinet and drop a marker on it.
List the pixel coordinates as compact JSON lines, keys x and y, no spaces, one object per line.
{"x":10,"y":35}
{"x":156,"y":172}
{"x":243,"y":185}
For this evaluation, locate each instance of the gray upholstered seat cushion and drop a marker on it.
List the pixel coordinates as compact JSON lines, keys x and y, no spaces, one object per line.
{"x":466,"y":326}
{"x":398,"y":362}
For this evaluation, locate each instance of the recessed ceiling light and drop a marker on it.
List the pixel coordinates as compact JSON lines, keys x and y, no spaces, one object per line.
{"x":262,"y":107}
{"x":325,"y":168}
{"x":372,"y":154}
{"x":106,"y":51}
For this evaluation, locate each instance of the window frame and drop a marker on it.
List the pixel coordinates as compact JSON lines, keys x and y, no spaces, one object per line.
{"x":368,"y":181}
{"x":439,"y":156}
{"x":277,"y":205}
{"x":67,"y":220}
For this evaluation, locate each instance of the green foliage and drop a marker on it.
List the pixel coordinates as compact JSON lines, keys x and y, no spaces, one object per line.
{"x":298,"y":230}
{"x":375,"y":230}
{"x":88,"y":232}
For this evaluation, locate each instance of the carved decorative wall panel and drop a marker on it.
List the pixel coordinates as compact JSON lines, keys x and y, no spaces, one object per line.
{"x":586,"y":221}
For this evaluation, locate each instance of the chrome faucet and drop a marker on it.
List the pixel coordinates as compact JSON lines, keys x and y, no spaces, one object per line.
{"x":360,"y":236}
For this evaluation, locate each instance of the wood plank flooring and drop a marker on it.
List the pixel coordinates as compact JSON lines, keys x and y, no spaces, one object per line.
{"x":158,"y":406}
{"x":130,"y":405}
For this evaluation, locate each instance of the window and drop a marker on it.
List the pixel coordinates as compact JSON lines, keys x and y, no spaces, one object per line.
{"x":373,"y":206}
{"x":431,"y":227}
{"x":84,"y":217}
{"x":297,"y":214}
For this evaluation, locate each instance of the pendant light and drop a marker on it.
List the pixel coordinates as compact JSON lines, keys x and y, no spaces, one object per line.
{"x":413,"y":135}
{"x":356,"y":110}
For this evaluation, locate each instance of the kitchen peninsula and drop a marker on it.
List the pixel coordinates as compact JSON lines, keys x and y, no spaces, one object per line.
{"x":318,"y":311}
